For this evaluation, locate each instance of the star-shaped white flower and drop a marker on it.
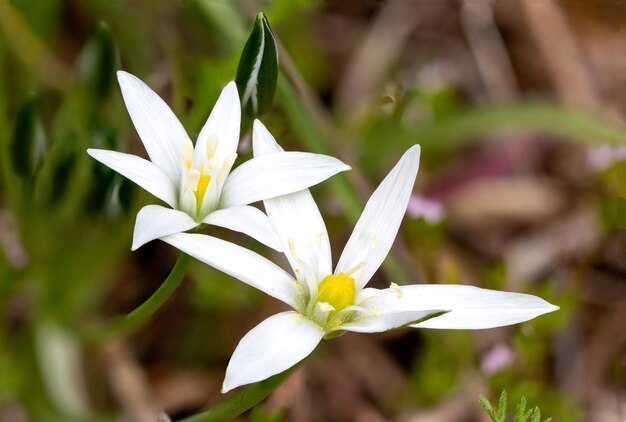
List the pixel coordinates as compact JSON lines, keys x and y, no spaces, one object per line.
{"x":197,"y":183}
{"x":327,"y":303}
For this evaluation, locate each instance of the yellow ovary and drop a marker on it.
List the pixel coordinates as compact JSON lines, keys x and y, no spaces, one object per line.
{"x":337,"y":290}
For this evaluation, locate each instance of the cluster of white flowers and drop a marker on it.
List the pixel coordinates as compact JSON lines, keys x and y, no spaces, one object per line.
{"x":198,"y":185}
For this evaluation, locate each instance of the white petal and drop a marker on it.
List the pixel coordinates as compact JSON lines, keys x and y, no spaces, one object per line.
{"x":159,"y":129}
{"x":141,"y":171}
{"x":154,"y":221}
{"x":469,"y":307}
{"x":277,"y":174}
{"x":248,"y":220}
{"x":263,"y":142}
{"x":295,"y":216}
{"x":377,"y":227}
{"x":273,"y":346}
{"x":385,"y":320}
{"x":223,"y":122}
{"x":241,"y":263}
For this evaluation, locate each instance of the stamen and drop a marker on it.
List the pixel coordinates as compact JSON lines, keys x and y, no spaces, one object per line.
{"x":399,"y":292}
{"x":355,"y":268}
{"x":226,"y":166}
{"x":211,"y":144}
{"x":326,"y":307}
{"x":187,"y":155}
{"x":347,"y":314}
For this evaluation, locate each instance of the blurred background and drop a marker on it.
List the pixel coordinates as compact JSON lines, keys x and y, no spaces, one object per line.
{"x":519,"y":108}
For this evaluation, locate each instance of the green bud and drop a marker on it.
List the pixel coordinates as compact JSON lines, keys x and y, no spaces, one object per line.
{"x":257,"y":73}
{"x":119,"y":198}
{"x":97,"y":62}
{"x":28,"y":143}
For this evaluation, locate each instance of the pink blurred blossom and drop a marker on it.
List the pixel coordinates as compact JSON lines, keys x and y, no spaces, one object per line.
{"x":499,"y":357}
{"x":430,"y":210}
{"x":602,"y":157}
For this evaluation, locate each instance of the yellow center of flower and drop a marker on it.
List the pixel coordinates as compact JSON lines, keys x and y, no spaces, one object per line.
{"x":337,"y":290}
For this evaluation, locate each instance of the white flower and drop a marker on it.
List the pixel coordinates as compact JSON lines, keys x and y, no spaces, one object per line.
{"x":327,"y":303}
{"x":197,"y":183}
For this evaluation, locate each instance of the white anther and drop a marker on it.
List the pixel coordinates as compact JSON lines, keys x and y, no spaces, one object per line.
{"x":375,"y":312}
{"x":226,"y":166}
{"x":187,"y":154}
{"x":211,"y":144}
{"x":397,"y":289}
{"x":325,"y":307}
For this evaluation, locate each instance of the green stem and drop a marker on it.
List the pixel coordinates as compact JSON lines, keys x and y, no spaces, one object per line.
{"x":241,"y":401}
{"x":142,"y":314}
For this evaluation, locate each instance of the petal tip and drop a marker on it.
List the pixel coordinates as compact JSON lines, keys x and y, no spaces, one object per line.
{"x":136,"y":245}
{"x":227,"y":386}
{"x":553,"y":308}
{"x":231,"y":89}
{"x":122,"y":76}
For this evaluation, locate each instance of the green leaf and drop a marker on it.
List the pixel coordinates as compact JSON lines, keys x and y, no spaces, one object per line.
{"x":468,"y":126}
{"x":502,"y":406}
{"x":484,"y":403}
{"x":97,"y":63}
{"x":257,"y":72}
{"x":28,"y":143}
{"x":520,"y":415}
{"x":535,"y":415}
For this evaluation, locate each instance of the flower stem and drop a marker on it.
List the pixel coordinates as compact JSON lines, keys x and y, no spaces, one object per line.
{"x":241,"y":401}
{"x":139,"y":316}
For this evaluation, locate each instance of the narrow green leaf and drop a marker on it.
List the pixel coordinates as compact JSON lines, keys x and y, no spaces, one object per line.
{"x":520,"y":415}
{"x":28,"y":142}
{"x":97,"y":63}
{"x":484,"y":403}
{"x":502,"y":406}
{"x":474,"y":124}
{"x":257,"y":72}
{"x":536,"y":415}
